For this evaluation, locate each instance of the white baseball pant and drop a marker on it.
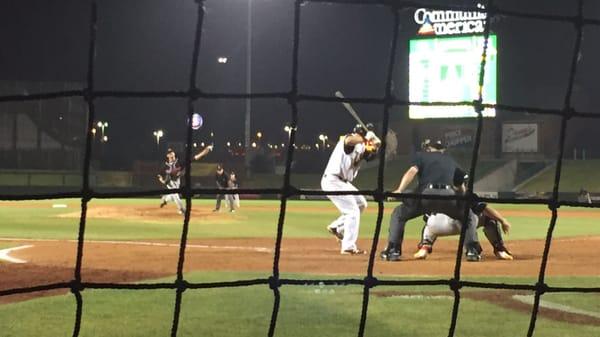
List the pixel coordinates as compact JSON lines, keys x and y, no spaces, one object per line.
{"x":174,"y":184}
{"x":349,"y":205}
{"x":442,"y":225}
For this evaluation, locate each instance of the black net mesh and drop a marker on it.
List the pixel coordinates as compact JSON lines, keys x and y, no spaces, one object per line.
{"x":293,"y":97}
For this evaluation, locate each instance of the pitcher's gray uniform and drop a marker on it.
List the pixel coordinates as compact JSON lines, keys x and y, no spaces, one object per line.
{"x":341,"y":169}
{"x":170,"y":176}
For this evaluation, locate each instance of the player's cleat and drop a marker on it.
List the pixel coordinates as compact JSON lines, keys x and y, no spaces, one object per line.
{"x":390,"y":255}
{"x":163,"y":204}
{"x":421,"y":254}
{"x":354,"y":251}
{"x":215,"y":210}
{"x":503,"y":255}
{"x":473,"y":255}
{"x":333,"y":231}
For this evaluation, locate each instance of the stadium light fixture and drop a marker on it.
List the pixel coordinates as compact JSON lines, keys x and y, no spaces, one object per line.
{"x":158,"y":134}
{"x":288,"y":129}
{"x":102,"y":125}
{"x":323,"y":138}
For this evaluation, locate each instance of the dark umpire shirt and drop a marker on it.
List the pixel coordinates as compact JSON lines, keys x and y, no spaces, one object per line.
{"x":222,"y":179}
{"x":435,"y":168}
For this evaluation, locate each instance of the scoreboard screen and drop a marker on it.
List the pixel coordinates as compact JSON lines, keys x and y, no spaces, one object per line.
{"x":446,"y":69}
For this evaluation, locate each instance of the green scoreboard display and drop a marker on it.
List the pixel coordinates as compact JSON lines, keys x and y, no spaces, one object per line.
{"x":446,"y":69}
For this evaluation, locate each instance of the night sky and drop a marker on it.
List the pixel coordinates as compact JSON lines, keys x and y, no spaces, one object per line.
{"x":147,"y":45}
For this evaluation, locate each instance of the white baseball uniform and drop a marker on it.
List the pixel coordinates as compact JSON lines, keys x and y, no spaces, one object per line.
{"x":341,"y":169}
{"x":442,"y":225}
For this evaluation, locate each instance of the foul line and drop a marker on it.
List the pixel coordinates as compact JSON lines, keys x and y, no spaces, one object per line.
{"x":145,"y":243}
{"x":5,"y":257}
{"x":529,"y":299}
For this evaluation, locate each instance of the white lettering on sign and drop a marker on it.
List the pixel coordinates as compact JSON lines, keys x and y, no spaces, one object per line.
{"x":449,"y":22}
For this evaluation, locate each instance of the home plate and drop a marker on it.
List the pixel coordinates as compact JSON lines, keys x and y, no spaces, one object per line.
{"x":59,"y":205}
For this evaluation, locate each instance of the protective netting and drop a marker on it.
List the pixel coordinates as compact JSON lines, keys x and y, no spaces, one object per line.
{"x":293,"y":97}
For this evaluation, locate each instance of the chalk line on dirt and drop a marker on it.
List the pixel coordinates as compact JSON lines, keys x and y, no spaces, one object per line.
{"x":147,"y":243}
{"x":4,"y":254}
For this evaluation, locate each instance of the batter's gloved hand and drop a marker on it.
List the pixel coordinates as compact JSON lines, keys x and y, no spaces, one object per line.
{"x":210,"y":147}
{"x":371,"y":137}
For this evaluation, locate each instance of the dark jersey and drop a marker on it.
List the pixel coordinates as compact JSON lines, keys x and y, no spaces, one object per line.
{"x":232,"y":183}
{"x":435,"y":168}
{"x":172,"y":171}
{"x":222,"y":179}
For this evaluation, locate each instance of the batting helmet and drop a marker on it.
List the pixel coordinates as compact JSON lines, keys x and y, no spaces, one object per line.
{"x":359,"y":129}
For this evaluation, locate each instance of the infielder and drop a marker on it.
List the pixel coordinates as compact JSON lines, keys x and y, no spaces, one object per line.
{"x":171,"y":177}
{"x":491,"y":220}
{"x":341,"y":169}
{"x":233,"y":200}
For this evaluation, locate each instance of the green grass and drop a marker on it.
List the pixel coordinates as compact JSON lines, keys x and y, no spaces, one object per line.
{"x":246,"y":311}
{"x":256,"y":218}
{"x":4,"y":245}
{"x":304,"y":311}
{"x":575,"y":174}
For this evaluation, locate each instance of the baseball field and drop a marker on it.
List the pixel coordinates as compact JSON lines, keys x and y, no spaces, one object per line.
{"x":133,"y":240}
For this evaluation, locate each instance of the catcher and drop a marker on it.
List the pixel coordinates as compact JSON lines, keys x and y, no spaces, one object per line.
{"x":341,"y":169}
{"x":440,"y":224}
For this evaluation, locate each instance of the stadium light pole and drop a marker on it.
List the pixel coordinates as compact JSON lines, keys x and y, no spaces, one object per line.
{"x":248,"y":81}
{"x":158,"y":134}
{"x":323,"y":138}
{"x":102,"y":125}
{"x":288,"y":129}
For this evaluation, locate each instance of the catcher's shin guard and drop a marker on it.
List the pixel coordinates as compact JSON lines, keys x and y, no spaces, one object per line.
{"x":492,"y":231}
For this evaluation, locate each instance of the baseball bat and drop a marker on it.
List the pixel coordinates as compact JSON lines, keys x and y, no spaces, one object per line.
{"x":350,"y":109}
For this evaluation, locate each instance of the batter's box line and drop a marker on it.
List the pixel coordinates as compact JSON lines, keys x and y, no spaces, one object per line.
{"x":147,"y":243}
{"x":4,"y":254}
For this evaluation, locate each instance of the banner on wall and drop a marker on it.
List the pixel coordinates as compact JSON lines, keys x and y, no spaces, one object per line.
{"x":459,"y":138}
{"x":520,"y":137}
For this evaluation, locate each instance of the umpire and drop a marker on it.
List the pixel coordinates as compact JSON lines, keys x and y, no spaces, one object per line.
{"x":437,"y":173}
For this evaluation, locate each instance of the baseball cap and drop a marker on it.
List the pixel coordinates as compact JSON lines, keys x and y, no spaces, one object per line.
{"x":436,"y":144}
